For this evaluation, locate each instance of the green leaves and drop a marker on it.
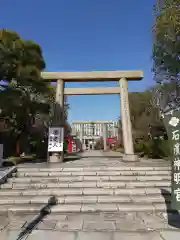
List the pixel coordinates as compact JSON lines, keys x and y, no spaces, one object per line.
{"x":25,"y":98}
{"x":166,"y":48}
{"x":142,"y":112}
{"x":25,"y":93}
{"x":20,"y":59}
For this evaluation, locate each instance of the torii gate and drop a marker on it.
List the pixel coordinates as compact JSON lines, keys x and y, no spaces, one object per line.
{"x":121,"y":76}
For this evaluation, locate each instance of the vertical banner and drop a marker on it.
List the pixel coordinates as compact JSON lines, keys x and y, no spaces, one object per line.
{"x":172,"y":124}
{"x":56,"y":139}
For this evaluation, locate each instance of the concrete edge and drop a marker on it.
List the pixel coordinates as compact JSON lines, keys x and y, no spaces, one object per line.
{"x":7,"y":173}
{"x":107,"y":153}
{"x":130,"y":158}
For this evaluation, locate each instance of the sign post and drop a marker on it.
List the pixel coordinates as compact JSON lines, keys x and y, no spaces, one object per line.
{"x":172,"y":124}
{"x":55,"y":141}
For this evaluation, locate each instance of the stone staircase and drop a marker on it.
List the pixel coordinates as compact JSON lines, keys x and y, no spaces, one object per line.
{"x":91,"y":184}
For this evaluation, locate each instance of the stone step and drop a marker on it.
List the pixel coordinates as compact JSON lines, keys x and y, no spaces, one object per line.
{"x":90,"y":184}
{"x":121,"y":177}
{"x":82,"y":191}
{"x":84,"y":199}
{"x":91,"y":169}
{"x":20,"y":209}
{"x":91,"y":178}
{"x":99,"y":173}
{"x":84,"y":208}
{"x":86,"y":179}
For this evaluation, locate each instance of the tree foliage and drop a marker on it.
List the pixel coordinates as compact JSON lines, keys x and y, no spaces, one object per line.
{"x":142,"y":112}
{"x":149,"y":133}
{"x":25,"y":98}
{"x":20,"y":60}
{"x":166,"y":52}
{"x":24,"y":93}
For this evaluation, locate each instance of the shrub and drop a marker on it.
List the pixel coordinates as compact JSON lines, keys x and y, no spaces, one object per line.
{"x":153,"y":148}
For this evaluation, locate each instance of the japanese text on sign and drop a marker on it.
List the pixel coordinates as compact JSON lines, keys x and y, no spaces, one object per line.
{"x":56,"y":139}
{"x":172,"y":124}
{"x":176,"y":165}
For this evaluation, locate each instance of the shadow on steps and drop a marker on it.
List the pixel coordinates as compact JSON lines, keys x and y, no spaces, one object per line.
{"x":67,"y":158}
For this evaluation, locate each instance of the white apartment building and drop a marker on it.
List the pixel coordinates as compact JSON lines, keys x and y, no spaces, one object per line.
{"x":94,"y":129}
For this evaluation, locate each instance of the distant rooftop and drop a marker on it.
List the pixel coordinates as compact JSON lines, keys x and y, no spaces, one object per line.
{"x":94,"y":121}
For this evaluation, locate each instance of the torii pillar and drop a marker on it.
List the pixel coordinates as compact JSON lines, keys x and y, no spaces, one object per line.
{"x":126,"y":122}
{"x":58,"y":120}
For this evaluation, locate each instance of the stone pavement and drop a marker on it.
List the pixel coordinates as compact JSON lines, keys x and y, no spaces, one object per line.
{"x":110,"y":226}
{"x":142,"y":162}
{"x":98,"y":196}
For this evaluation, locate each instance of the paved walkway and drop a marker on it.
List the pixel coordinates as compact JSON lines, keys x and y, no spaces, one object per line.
{"x":143,"y":161}
{"x":89,"y":226}
{"x":106,"y":226}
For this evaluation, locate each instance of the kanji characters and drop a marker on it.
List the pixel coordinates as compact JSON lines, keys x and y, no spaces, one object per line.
{"x":177,"y":178}
{"x":176,"y":135}
{"x":177,"y":164}
{"x":55,"y":142}
{"x":177,"y":149}
{"x":177,"y":194}
{"x":56,"y":132}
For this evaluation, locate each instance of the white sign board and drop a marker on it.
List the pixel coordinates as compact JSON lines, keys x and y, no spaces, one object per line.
{"x":56,"y":139}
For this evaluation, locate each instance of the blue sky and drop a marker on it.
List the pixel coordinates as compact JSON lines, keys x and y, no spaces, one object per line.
{"x":86,"y":35}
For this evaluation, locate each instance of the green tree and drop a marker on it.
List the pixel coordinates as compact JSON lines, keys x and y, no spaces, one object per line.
{"x":142,"y":112}
{"x":21,"y":61}
{"x":166,"y":52}
{"x":147,"y":125}
{"x":24,"y":96}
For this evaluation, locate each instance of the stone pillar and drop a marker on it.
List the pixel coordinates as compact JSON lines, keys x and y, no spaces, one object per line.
{"x":101,"y":130}
{"x":81,"y":132}
{"x":105,"y":136}
{"x":58,"y":120}
{"x":81,"y":136}
{"x":126,"y":122}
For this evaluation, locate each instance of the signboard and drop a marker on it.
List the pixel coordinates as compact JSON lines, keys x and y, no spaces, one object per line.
{"x":73,"y":146}
{"x":56,"y":139}
{"x":172,"y":124}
